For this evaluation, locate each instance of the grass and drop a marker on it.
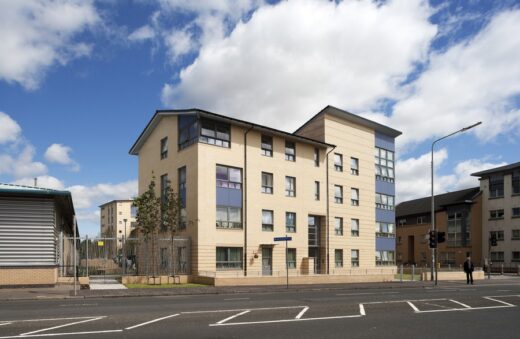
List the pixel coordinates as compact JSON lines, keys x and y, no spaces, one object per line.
{"x":408,"y":277}
{"x":164,"y":285}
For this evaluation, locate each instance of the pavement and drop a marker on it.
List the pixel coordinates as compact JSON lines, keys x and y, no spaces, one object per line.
{"x":115,"y":290}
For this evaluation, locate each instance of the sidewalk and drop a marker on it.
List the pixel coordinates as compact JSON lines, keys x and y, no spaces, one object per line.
{"x":67,"y":291}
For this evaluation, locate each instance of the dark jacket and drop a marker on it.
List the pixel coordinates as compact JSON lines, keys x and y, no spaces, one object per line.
{"x":468,"y":266}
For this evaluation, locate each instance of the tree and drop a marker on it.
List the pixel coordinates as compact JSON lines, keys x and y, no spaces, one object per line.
{"x":171,"y":209}
{"x":149,"y":217}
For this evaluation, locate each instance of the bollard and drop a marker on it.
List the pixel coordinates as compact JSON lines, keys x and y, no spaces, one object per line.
{"x":413,"y":272}
{"x":502,"y":269}
{"x":401,"y":273}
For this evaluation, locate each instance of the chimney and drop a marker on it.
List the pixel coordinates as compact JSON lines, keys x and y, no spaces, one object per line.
{"x":35,"y":182}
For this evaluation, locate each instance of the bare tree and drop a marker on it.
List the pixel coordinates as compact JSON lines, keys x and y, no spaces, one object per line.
{"x":171,"y":209}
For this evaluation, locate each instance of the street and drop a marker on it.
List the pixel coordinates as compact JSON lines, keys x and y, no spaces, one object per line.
{"x":489,"y":309}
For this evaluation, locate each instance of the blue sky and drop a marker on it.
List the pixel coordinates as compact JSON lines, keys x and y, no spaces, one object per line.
{"x":79,"y":80}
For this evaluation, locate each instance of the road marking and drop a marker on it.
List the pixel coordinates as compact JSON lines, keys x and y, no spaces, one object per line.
{"x":60,"y":326}
{"x":237,"y":299}
{"x":441,"y":290}
{"x":53,"y":319}
{"x":285,"y":320}
{"x":59,"y":334}
{"x":243,"y":309}
{"x":362,"y":309}
{"x":152,"y":321}
{"x":302,"y":312}
{"x":500,"y":301}
{"x":233,"y":317}
{"x":504,"y":290}
{"x":356,"y":294}
{"x":461,"y":304}
{"x":75,"y":305}
{"x":399,"y":301}
{"x":412,"y":306}
{"x":2,"y":324}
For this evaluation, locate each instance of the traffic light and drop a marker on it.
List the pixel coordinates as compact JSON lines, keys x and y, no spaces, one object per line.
{"x":493,"y":240}
{"x":433,"y":239}
{"x":441,"y":237}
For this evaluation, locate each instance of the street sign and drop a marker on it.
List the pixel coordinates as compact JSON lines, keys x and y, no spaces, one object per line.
{"x":100,"y":243}
{"x":282,"y":238}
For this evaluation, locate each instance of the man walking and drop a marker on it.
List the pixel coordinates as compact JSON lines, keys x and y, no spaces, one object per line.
{"x":468,"y":268}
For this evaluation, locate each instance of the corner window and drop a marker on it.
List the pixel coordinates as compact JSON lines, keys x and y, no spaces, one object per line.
{"x":354,"y":227}
{"x":267,"y":183}
{"x":338,"y":226}
{"x":385,"y":202}
{"x":290,"y":186}
{"x":354,"y":258}
{"x":316,"y":157}
{"x":338,"y":258}
{"x":384,"y":258}
{"x":229,"y":177}
{"x":164,"y":148}
{"x":229,"y":217}
{"x":267,"y":146}
{"x":215,"y":133}
{"x":291,"y":257}
{"x":338,"y":194}
{"x":354,"y":166}
{"x":290,"y":222}
{"x":290,"y":151}
{"x":354,"y":197}
{"x":267,"y":220}
{"x":384,"y":163}
{"x":338,"y":162}
{"x":385,"y":230}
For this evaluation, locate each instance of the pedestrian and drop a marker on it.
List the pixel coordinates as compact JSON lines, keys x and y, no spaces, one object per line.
{"x":468,"y":268}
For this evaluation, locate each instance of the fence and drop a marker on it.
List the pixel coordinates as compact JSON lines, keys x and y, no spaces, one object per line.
{"x":130,"y":256}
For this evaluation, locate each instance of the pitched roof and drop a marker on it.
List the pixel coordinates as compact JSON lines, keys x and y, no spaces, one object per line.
{"x":505,"y":168}
{"x":423,"y":205}
{"x":355,"y":119}
{"x":18,"y":189}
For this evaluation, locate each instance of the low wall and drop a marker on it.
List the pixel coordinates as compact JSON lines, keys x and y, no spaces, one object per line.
{"x":158,"y":280}
{"x":453,"y":275}
{"x":20,"y":276}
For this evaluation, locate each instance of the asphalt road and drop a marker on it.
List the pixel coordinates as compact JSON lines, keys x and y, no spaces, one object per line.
{"x":451,"y":310}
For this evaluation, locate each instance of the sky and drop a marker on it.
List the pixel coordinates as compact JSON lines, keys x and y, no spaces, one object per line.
{"x":80,"y":79}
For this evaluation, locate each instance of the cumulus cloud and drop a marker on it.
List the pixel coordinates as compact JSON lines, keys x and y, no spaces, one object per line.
{"x":22,"y":164}
{"x":292,"y":59}
{"x":9,"y":129}
{"x":89,"y":196}
{"x":60,"y":154}
{"x":44,"y":181}
{"x":142,"y":33}
{"x":38,"y":34}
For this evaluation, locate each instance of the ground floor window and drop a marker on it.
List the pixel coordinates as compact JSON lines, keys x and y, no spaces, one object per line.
{"x":354,"y":258}
{"x":384,"y":258}
{"x":291,"y":257}
{"x":447,"y":258}
{"x":338,"y":258}
{"x":229,"y":258}
{"x":497,"y":256}
{"x":515,"y":256}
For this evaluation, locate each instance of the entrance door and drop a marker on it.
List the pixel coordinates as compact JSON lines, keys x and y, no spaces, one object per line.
{"x":314,"y":252}
{"x":267,"y":261}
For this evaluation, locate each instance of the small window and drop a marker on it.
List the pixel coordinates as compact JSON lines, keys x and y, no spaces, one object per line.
{"x":498,"y":235}
{"x":229,"y":217}
{"x":267,"y":146}
{"x":338,"y":194}
{"x":316,"y":190}
{"x":354,"y":258}
{"x":291,"y":258}
{"x":354,"y":227}
{"x":421,"y":220}
{"x":515,"y":212}
{"x":267,"y":183}
{"x":338,"y":226}
{"x":316,"y":157}
{"x":290,"y":186}
{"x":164,"y":148}
{"x":354,"y":166}
{"x":354,"y":197}
{"x":515,"y":256}
{"x":290,"y":151}
{"x":290,"y":222}
{"x":497,"y":256}
{"x":496,"y":214}
{"x":267,"y":220}
{"x":515,"y":234}
{"x":338,"y":162}
{"x":338,"y":258}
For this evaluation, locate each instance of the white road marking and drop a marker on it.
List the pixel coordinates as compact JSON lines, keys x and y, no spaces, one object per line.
{"x":355,"y":294}
{"x":76,"y":305}
{"x":58,"y":334}
{"x":237,"y":299}
{"x":2,"y":324}
{"x":362,"y":309}
{"x":243,"y":309}
{"x":53,"y":319}
{"x":461,"y":304}
{"x":302,"y":313}
{"x":60,"y":326}
{"x":399,"y":301}
{"x":285,"y":320}
{"x":233,"y":317}
{"x":152,"y":321}
{"x":499,"y":301}
{"x":412,"y":306}
{"x":504,"y":290}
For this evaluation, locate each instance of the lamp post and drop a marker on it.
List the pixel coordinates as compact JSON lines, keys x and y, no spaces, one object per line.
{"x":124,"y":251}
{"x":434,"y":249}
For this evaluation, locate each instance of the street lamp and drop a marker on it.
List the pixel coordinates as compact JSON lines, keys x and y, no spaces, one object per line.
{"x":124,"y":252}
{"x":434,"y":249}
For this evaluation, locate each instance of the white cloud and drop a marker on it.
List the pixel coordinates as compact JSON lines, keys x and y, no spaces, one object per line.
{"x":60,"y":154}
{"x":292,"y":59}
{"x":44,"y":181}
{"x":142,"y":33}
{"x":9,"y":129}
{"x":179,"y":43}
{"x":22,"y":164}
{"x":37,"y":34}
{"x":90,"y":196}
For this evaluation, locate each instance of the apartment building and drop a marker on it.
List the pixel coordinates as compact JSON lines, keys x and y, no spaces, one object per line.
{"x":243,"y":184}
{"x":457,"y":214}
{"x":500,"y":188}
{"x":117,"y":218}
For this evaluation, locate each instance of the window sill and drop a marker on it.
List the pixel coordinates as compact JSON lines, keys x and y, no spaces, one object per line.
{"x":492,"y":198}
{"x":229,"y":229}
{"x":496,"y":218}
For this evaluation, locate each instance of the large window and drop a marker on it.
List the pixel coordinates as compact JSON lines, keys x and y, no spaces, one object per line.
{"x":354,"y":197}
{"x":515,"y":183}
{"x":497,"y":256}
{"x":267,"y":220}
{"x":385,"y":202}
{"x":385,"y":229}
{"x":290,"y":151}
{"x":290,"y":186}
{"x":354,"y":227}
{"x":455,"y":229}
{"x":338,"y":194}
{"x":354,"y":166}
{"x":384,"y":258}
{"x":188,"y":130}
{"x":182,"y":196}
{"x":267,"y":183}
{"x":338,"y":258}
{"x":229,"y":217}
{"x":290,"y":222}
{"x":354,"y":258}
{"x":338,"y":226}
{"x":496,"y":186}
{"x":338,"y":162}
{"x":229,"y":258}
{"x":164,"y":189}
{"x":229,"y":177}
{"x":384,"y":161}
{"x":267,"y":146}
{"x":214,"y":133}
{"x":496,"y":214}
{"x":291,"y":257}
{"x":316,"y":190}
{"x":164,"y":148}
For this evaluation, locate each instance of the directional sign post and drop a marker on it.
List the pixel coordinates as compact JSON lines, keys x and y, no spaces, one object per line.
{"x":286,"y":239}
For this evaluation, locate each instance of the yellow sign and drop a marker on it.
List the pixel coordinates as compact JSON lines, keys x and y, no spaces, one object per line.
{"x":100,"y":243}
